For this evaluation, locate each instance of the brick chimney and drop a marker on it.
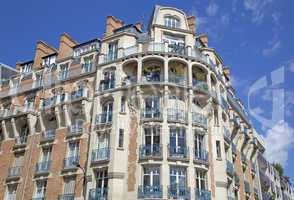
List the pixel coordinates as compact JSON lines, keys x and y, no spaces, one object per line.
{"x":66,"y":44}
{"x":192,"y":23}
{"x":42,"y":49}
{"x":204,"y":39}
{"x":112,"y":23}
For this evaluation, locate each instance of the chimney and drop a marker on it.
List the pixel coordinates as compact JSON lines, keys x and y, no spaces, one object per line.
{"x":227,"y":73}
{"x":112,"y":23}
{"x":192,"y":23}
{"x":139,"y":26}
{"x":204,"y":39}
{"x":42,"y":49}
{"x":66,"y":44}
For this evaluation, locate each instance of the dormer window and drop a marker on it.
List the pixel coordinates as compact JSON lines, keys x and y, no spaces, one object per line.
{"x":49,"y":61}
{"x":172,"y":22}
{"x":26,"y":68}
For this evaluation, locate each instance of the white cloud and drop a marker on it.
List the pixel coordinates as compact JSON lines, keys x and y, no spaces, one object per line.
{"x":212,"y":9}
{"x":272,"y":49}
{"x":257,"y":8}
{"x":278,"y":141}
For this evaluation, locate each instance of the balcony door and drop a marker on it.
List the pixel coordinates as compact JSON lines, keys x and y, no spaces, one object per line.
{"x":40,"y":189}
{"x":112,"y":50}
{"x":73,"y":150}
{"x":152,"y":140}
{"x":102,"y":145}
{"x":177,"y":140}
{"x":199,"y":145}
{"x":46,"y":156}
{"x":201,"y":180}
{"x":107,"y":112}
{"x":102,"y":182}
{"x":151,"y":177}
{"x":152,"y":107}
{"x":178,"y":178}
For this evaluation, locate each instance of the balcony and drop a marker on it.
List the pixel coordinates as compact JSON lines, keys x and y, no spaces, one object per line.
{"x":48,"y":136}
{"x":75,"y":130}
{"x":202,"y":194}
{"x":129,"y":80}
{"x":49,"y":102}
{"x":177,"y":49}
{"x":130,"y":50}
{"x":230,"y":168}
{"x":70,"y":163}
{"x":178,"y":153}
{"x":200,"y":86}
{"x":199,"y":120}
{"x":150,"y":151}
{"x":43,"y":167}
{"x":227,"y":135}
{"x":100,"y":155}
{"x":66,"y":197}
{"x":14,"y":173}
{"x":152,"y":78}
{"x":20,"y":141}
{"x":98,"y":194}
{"x":247,"y":187}
{"x":103,"y":119}
{"x":200,"y":156}
{"x":179,"y":192}
{"x":177,"y":80}
{"x":149,"y":192}
{"x":77,"y":95}
{"x":107,"y":85}
{"x":175,"y":115}
{"x":151,"y":115}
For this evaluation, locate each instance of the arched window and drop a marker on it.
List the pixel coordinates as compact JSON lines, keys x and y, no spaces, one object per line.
{"x":172,"y":22}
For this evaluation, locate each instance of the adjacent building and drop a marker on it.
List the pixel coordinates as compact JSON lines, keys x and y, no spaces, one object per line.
{"x":134,"y":115}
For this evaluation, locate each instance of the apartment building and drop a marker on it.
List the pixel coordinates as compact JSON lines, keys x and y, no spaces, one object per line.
{"x":137,"y":114}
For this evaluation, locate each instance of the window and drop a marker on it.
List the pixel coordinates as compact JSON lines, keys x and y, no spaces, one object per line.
{"x":123,"y":104}
{"x":112,"y":50}
{"x":87,"y":66}
{"x":73,"y":150}
{"x":48,"y":61}
{"x":152,"y":107}
{"x":40,"y":189}
{"x":121,"y":138}
{"x":107,"y":112}
{"x":18,"y":160}
{"x":103,"y":141}
{"x":64,"y":71}
{"x":102,"y":181}
{"x":27,"y":68}
{"x":151,"y":176}
{"x":171,"y":22}
{"x":218,"y":149}
{"x":69,"y":186}
{"x":177,"y":140}
{"x":199,"y":145}
{"x":178,"y":177}
{"x":201,"y":180}
{"x":152,"y":140}
{"x":11,"y":192}
{"x":46,"y":155}
{"x":108,"y":81}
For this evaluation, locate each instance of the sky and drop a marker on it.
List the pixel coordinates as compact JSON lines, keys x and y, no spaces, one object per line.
{"x":253,"y":37}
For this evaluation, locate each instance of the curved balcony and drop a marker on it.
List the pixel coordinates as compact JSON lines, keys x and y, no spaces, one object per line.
{"x":100,"y":155}
{"x":201,"y":156}
{"x":199,"y":120}
{"x":202,"y":194}
{"x":179,"y":192}
{"x":103,"y":119}
{"x":178,"y":153}
{"x":150,"y":151}
{"x":75,"y":130}
{"x":177,"y":80}
{"x":149,"y":192}
{"x":48,"y":135}
{"x":98,"y":194}
{"x":176,"y":115}
{"x":200,"y":86}
{"x":151,"y":115}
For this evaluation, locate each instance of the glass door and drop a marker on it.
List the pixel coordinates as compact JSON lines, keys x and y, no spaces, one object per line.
{"x":178,"y":141}
{"x":152,"y":140}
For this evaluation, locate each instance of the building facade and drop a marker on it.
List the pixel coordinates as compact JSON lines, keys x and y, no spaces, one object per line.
{"x":134,"y":115}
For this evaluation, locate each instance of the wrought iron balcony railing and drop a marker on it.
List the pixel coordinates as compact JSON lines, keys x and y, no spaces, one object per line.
{"x":178,"y":152}
{"x":179,"y":192}
{"x":14,"y":172}
{"x":98,"y":194}
{"x":43,"y":167}
{"x":150,"y":151}
{"x":151,"y":114}
{"x":200,"y":155}
{"x":75,"y":129}
{"x":48,"y":135}
{"x":176,"y":115}
{"x":202,"y":194}
{"x":101,"y":154}
{"x":71,"y":162}
{"x":107,"y":85}
{"x":149,"y":192}
{"x":200,"y":86}
{"x":66,"y":197}
{"x":176,"y":79}
{"x":22,"y":140}
{"x":103,"y":118}
{"x":199,"y":119}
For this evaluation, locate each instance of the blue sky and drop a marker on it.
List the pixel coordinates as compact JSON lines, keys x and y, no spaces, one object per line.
{"x":254,"y":38}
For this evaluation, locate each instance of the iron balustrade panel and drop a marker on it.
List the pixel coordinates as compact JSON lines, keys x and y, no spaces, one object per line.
{"x":14,"y":172}
{"x":151,"y":113}
{"x":199,"y":119}
{"x":176,"y":115}
{"x":179,"y":192}
{"x":177,"y":79}
{"x":71,"y":162}
{"x":75,"y":129}
{"x":22,"y":140}
{"x":66,"y":197}
{"x":98,"y":194}
{"x":178,"y":152}
{"x":147,"y":151}
{"x":48,"y":135}
{"x":147,"y":191}
{"x":200,"y":86}
{"x":43,"y":167}
{"x":104,"y":118}
{"x":202,"y":194}
{"x":201,"y":155}
{"x":107,"y":85}
{"x":100,"y":154}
